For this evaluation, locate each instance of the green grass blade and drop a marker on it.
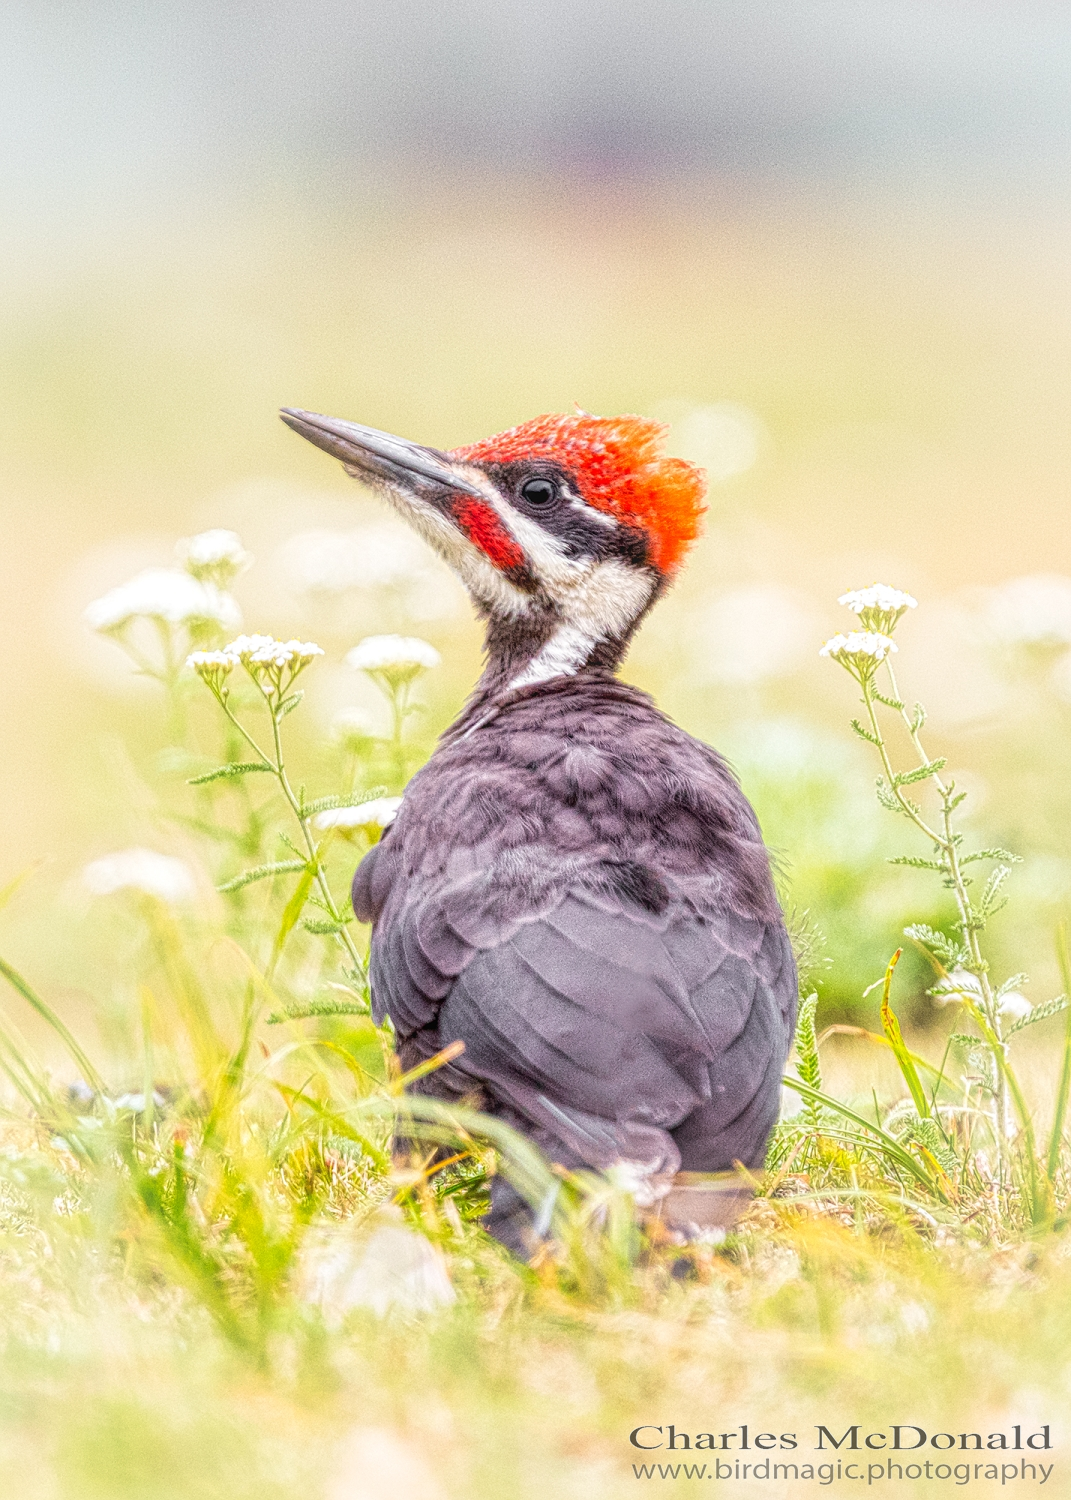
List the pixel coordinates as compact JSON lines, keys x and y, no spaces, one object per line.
{"x":890,"y":1144}
{"x":891,"y":1026}
{"x":1064,"y":1087}
{"x":1040,"y":1204}
{"x":45,"y":1011}
{"x":12,"y":886}
{"x":291,"y":912}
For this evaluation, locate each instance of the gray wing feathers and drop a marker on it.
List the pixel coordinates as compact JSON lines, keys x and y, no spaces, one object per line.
{"x":513,"y":1022}
{"x":580,"y":894}
{"x":608,"y":1037}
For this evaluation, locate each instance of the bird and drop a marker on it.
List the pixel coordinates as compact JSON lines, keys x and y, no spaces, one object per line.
{"x":574,"y":888}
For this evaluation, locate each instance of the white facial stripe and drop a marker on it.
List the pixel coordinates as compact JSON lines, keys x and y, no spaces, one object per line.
{"x":605,"y":601}
{"x":473,"y":567}
{"x":599,"y":607}
{"x":563,"y":655}
{"x":601,"y":516}
{"x":545,"y":552}
{"x":597,"y":601}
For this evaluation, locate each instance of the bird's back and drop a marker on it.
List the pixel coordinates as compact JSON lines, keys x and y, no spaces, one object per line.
{"x":578,"y":891}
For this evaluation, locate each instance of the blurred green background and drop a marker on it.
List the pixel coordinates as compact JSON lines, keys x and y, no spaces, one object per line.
{"x":827,"y":242}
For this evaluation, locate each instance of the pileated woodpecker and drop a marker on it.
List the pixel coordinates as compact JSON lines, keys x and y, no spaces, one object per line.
{"x":573,"y":887}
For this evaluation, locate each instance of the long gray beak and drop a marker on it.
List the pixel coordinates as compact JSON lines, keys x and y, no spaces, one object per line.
{"x":371,"y":454}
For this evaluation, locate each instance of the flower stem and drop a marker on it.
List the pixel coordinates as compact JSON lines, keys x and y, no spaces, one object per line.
{"x":278,"y":770}
{"x":947,"y":843}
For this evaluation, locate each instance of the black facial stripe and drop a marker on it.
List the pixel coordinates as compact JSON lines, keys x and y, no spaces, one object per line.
{"x":582,"y":534}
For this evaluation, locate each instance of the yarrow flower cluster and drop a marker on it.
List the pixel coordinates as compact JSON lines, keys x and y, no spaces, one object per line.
{"x":213,"y":667}
{"x":215,"y":557}
{"x":861,"y":652}
{"x":159,"y":875}
{"x":367,"y":817}
{"x":397,"y":658}
{"x":265,"y":651}
{"x":879,"y":607}
{"x":272,"y":664}
{"x":164,"y":594}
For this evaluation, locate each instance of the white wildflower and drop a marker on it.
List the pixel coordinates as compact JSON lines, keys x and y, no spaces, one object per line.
{"x":215,"y":557}
{"x":859,"y":643}
{"x":372,"y":816}
{"x":263,"y":655}
{"x":243,"y":646}
{"x":352,"y":728}
{"x":877,"y":596}
{"x":163,"y":594}
{"x":878,"y":607}
{"x":1014,"y":1006}
{"x":158,"y":875}
{"x":199,"y":660}
{"x":398,"y":658}
{"x":393,"y":1268}
{"x":210,"y":662}
{"x":284,"y":654}
{"x":1032,"y":612}
{"x":213,"y":668}
{"x":860,"y":652}
{"x":958,"y":985}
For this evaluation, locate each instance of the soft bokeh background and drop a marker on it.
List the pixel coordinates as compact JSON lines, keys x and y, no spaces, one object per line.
{"x":827,"y":242}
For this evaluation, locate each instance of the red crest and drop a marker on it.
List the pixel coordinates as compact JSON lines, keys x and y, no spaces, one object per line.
{"x":620,"y":468}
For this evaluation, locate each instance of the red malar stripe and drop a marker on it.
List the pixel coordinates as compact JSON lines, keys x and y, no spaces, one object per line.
{"x":482,"y":527}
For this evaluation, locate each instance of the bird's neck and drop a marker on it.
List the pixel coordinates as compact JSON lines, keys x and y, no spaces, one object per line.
{"x":525,"y":653}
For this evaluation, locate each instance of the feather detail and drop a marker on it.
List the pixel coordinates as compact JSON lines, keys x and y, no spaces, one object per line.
{"x":578,"y":891}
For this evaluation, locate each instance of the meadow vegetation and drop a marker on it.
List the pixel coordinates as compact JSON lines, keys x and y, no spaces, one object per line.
{"x":217,"y":1279}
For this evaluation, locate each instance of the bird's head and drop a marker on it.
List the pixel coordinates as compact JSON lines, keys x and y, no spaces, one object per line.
{"x":564,"y":529}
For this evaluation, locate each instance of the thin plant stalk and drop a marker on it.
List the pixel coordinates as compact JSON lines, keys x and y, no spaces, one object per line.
{"x":1064,"y":1087}
{"x":946,"y":841}
{"x":278,"y":770}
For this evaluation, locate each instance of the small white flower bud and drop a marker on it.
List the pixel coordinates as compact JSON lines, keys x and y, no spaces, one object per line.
{"x":163,"y":594}
{"x":215,"y":557}
{"x":352,"y":729}
{"x":1014,"y":1006}
{"x":398,"y":658}
{"x":367,"y":817}
{"x":265,"y":658}
{"x":159,"y":875}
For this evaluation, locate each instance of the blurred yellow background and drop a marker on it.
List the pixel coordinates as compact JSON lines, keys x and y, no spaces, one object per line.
{"x":828,"y":243}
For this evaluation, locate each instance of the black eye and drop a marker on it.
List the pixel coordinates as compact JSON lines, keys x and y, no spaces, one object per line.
{"x":539,"y":491}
